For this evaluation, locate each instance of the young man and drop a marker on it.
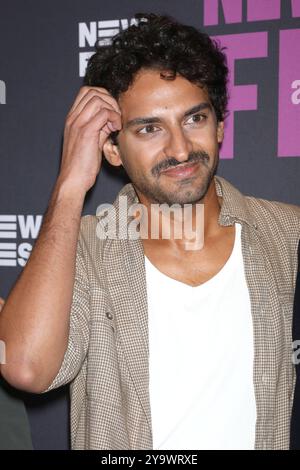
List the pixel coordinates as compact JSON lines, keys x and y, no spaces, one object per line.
{"x":168,"y":344}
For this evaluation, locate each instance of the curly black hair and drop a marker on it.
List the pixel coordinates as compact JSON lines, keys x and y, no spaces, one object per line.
{"x":161,"y":43}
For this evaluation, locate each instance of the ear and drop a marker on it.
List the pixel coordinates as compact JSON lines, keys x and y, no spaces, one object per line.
{"x":112,"y":153}
{"x":220,"y":131}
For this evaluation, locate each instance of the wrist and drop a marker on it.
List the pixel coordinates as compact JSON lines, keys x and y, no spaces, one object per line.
{"x":67,"y":189}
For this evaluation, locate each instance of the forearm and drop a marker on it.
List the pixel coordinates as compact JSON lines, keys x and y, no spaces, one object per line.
{"x":34,"y":322}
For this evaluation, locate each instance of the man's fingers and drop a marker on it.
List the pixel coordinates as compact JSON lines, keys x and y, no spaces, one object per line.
{"x":83,"y":91}
{"x":104,"y":122}
{"x":95,"y":117}
{"x":104,"y":100}
{"x":92,"y":107}
{"x":87,"y":93}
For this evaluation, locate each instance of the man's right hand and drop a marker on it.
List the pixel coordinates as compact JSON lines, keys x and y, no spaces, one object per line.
{"x":92,"y":118}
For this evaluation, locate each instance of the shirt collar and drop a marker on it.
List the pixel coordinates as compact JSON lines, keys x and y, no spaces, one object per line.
{"x":235,"y":206}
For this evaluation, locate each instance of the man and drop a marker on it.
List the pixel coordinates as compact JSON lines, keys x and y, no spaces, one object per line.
{"x":14,"y":428}
{"x":170,"y":343}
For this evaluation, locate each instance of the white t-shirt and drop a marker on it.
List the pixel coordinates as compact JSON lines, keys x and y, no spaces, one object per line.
{"x":201,"y":359}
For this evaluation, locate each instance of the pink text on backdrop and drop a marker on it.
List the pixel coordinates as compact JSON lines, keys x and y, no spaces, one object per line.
{"x":289,"y":94}
{"x":257,"y":10}
{"x":242,"y":97}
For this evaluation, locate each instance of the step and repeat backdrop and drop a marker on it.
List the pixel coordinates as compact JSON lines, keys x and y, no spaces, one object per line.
{"x":44,"y":47}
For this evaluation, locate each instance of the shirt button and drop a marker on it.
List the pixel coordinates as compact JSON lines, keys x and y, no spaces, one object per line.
{"x":109,"y":315}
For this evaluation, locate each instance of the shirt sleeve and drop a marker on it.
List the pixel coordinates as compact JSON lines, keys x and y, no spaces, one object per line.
{"x":79,"y":325}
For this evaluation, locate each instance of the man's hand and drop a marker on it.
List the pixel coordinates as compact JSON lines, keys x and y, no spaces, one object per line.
{"x":93,"y":116}
{"x":1,"y":303}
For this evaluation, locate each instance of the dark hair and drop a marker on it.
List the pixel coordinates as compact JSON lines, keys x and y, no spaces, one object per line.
{"x":161,"y":43}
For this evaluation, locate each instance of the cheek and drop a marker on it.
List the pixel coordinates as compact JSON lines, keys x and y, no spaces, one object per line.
{"x":132,"y":146}
{"x":132,"y":158}
{"x":142,"y":153}
{"x":205,"y":138}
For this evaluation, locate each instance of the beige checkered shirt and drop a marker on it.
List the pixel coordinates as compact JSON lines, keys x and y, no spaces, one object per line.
{"x":107,"y":356}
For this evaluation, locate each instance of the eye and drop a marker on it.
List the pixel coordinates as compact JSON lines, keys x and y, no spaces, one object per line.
{"x":196,"y":118}
{"x":149,"y":129}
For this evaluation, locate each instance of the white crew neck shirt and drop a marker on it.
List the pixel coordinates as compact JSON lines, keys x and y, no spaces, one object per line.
{"x":201,"y":359}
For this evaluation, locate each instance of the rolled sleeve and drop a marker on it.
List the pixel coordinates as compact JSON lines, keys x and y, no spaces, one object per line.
{"x":79,"y":325}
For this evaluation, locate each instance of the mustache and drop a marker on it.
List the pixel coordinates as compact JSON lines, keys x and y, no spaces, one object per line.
{"x":193,"y":157}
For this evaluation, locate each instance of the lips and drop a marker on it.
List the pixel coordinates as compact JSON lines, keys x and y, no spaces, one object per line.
{"x":182,"y":171}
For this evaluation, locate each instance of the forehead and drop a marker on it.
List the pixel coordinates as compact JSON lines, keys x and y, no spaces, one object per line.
{"x":149,"y":94}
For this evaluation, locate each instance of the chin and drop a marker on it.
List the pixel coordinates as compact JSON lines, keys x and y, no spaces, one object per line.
{"x":189,"y":195}
{"x":183,"y":197}
{"x":188,"y":191}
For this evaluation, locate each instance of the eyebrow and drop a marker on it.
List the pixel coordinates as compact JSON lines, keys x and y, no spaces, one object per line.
{"x":154,"y":119}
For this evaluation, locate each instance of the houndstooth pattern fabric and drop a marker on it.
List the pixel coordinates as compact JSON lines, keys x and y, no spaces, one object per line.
{"x":107,"y":355}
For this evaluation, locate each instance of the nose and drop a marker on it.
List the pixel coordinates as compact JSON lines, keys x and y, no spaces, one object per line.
{"x":178,"y":145}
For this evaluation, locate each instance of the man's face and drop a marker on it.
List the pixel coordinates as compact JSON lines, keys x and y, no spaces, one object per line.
{"x":169,"y":142}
